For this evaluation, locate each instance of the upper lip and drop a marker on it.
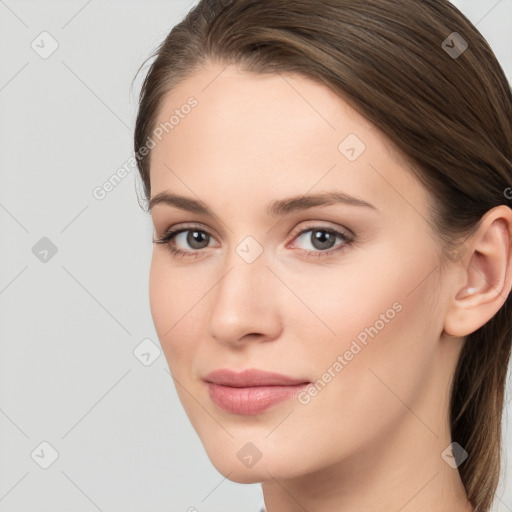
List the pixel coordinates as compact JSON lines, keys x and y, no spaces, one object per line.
{"x":251,"y":378}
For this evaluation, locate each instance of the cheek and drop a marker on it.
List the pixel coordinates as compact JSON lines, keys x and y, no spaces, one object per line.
{"x":171,"y":298}
{"x":362,"y":298}
{"x":384,"y":346}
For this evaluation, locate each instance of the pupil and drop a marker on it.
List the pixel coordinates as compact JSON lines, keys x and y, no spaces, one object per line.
{"x":322,"y":239}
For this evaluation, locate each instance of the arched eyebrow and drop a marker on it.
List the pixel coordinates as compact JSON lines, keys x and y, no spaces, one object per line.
{"x":284,"y":206}
{"x":275,"y":208}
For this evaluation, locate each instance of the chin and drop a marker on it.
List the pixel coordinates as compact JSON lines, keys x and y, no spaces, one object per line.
{"x":246,"y":477}
{"x":233,"y":468}
{"x":236,"y":472}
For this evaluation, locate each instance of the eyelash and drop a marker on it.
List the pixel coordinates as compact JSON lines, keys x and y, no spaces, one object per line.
{"x":168,"y":237}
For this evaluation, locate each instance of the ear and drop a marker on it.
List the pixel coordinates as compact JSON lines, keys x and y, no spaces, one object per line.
{"x":487,"y":274}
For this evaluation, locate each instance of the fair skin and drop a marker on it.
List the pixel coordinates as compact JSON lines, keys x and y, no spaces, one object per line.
{"x":372,"y":438}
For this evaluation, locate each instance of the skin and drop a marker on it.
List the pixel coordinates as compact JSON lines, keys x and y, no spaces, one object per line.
{"x":372,"y":438}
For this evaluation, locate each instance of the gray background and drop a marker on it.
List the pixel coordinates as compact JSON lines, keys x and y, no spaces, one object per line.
{"x":70,"y":321}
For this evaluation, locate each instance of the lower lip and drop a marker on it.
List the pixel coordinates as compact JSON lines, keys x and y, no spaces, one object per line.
{"x":251,"y":400}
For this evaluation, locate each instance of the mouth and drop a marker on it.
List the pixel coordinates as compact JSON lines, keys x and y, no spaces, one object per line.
{"x":251,"y":391}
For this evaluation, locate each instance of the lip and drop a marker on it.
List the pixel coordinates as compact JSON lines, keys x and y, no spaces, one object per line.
{"x":251,"y":391}
{"x":251,"y":378}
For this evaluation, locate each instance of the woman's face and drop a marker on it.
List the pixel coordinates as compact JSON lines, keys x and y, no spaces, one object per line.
{"x":342,"y":292}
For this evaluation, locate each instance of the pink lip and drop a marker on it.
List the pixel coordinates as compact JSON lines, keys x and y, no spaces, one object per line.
{"x":251,"y":378}
{"x":251,"y":391}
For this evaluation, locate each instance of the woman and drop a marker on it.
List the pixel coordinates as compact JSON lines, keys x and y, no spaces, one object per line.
{"x":329,"y":183}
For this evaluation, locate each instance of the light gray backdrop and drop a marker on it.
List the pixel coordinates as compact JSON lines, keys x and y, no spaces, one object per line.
{"x":89,"y":416}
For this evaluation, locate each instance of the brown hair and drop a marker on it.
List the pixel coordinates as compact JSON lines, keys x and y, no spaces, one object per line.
{"x":449,"y":114}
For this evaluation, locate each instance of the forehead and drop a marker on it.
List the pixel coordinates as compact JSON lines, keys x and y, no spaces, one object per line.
{"x":271,"y":135}
{"x":260,"y":105}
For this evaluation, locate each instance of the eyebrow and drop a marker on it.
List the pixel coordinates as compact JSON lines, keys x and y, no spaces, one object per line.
{"x":277,"y":207}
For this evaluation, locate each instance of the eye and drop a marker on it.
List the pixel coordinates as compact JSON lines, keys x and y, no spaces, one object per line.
{"x":195,"y":238}
{"x":322,"y":240}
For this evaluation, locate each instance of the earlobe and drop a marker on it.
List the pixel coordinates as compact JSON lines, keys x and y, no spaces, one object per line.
{"x":487,"y":274}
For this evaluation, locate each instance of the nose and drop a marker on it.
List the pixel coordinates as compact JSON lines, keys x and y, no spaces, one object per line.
{"x":244,"y":304}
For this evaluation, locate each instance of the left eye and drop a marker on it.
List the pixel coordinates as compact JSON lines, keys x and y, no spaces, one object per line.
{"x":322,"y":239}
